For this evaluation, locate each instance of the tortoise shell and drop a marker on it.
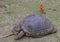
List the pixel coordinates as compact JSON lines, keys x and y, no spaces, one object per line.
{"x":37,"y":25}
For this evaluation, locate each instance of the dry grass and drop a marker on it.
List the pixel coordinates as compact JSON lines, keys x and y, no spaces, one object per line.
{"x":22,"y":8}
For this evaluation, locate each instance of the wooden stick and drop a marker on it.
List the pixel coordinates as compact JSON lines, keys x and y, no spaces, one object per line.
{"x":8,"y":35}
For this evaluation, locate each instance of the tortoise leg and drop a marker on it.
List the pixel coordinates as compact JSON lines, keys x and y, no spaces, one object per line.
{"x":28,"y":34}
{"x":54,"y":30}
{"x":19,"y":36}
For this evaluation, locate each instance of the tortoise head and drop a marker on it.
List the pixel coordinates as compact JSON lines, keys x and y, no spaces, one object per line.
{"x":16,"y":29}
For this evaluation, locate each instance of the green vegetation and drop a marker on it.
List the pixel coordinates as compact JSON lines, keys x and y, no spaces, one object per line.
{"x":9,"y":8}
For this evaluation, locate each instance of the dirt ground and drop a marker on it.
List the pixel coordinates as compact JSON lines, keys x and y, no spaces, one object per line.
{"x":22,"y":8}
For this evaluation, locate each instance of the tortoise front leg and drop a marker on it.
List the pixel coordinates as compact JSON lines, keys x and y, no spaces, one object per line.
{"x":19,"y":35}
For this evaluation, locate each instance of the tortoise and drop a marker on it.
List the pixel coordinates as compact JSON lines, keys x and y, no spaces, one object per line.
{"x":35,"y":26}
